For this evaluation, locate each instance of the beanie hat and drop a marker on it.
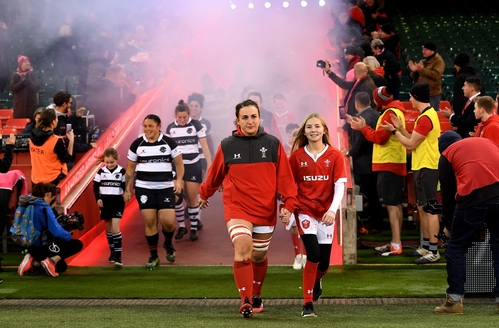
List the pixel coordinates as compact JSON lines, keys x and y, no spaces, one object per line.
{"x":461,"y":59}
{"x":21,"y":59}
{"x":387,"y":28}
{"x":381,"y":96}
{"x":421,"y":92}
{"x":430,"y":46}
{"x":446,"y":139}
{"x":350,"y":50}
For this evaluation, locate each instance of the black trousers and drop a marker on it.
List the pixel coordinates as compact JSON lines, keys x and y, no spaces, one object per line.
{"x":368,"y":187}
{"x":63,"y":249}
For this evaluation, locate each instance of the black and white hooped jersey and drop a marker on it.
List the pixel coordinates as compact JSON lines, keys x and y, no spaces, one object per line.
{"x":111,"y":183}
{"x":154,"y":162}
{"x":187,"y":138}
{"x":207,"y":130}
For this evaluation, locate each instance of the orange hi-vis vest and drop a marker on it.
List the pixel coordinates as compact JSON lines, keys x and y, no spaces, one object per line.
{"x":45,"y":165}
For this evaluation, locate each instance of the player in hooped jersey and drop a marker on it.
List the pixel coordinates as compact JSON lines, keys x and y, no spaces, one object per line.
{"x":188,"y":134}
{"x":151,"y":157}
{"x":319,"y":173}
{"x":109,"y":187}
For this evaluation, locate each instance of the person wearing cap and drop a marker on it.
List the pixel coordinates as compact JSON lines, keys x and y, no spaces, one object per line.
{"x":489,"y":121}
{"x":24,"y":84}
{"x":391,"y":40}
{"x":361,"y":151}
{"x":353,"y":55}
{"x":476,"y":204}
{"x":390,"y":65}
{"x":464,"y":69}
{"x":466,"y":122}
{"x":424,"y":145}
{"x":388,"y":161}
{"x":429,"y":70}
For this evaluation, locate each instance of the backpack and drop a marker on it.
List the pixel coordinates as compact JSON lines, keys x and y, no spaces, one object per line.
{"x":23,"y":230}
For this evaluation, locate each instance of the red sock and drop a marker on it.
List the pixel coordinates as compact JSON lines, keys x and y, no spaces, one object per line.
{"x":319,"y":274}
{"x":309,"y":273}
{"x":296,"y":243}
{"x":259,"y":272}
{"x":243,"y":276}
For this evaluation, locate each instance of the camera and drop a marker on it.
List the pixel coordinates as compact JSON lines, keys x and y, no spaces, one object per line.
{"x":71,"y":222}
{"x":433,"y":207}
{"x":321,"y":64}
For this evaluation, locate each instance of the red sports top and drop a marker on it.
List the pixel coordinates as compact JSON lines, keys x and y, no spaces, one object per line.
{"x":253,"y":170}
{"x":316,"y":178}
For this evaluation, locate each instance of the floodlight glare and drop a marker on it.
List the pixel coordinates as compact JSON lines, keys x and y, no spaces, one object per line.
{"x":322,"y":3}
{"x":303,"y":4}
{"x":250,"y":5}
{"x":232,"y":6}
{"x":285,"y":4}
{"x":268,"y":5}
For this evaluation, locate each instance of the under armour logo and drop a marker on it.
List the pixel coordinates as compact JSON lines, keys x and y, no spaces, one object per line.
{"x":241,"y":289}
{"x":303,"y":164}
{"x":310,"y":291}
{"x":329,"y":235}
{"x":237,"y":156}
{"x":257,"y":282}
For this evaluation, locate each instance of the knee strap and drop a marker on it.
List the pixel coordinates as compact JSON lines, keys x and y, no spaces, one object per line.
{"x":239,"y":230}
{"x":261,"y":245}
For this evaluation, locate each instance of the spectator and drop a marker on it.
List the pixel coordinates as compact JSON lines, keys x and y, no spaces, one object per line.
{"x":361,"y":151}
{"x":48,"y":151}
{"x":98,"y":63}
{"x":8,"y":156}
{"x":390,"y":66}
{"x":267,"y":119}
{"x":36,"y":118}
{"x":466,"y":122}
{"x":464,"y":69}
{"x":376,"y":72}
{"x":352,"y":55}
{"x":356,"y":15}
{"x":358,"y":40}
{"x":65,"y":57}
{"x":373,"y":14}
{"x":477,"y":201}
{"x":24,"y":84}
{"x":363,"y":83}
{"x":110,"y":97}
{"x":429,"y":70}
{"x":391,"y":40}
{"x":291,"y":130}
{"x":282,"y":116}
{"x":5,"y":42}
{"x":42,"y":253}
{"x":489,"y":125}
{"x":424,"y":145}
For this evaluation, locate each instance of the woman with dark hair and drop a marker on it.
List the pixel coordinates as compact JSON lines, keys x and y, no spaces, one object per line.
{"x":319,"y":172}
{"x":189,"y":133}
{"x":151,"y":157}
{"x":253,"y":168}
{"x":49,"y":152}
{"x":24,"y":84}
{"x":47,"y":253}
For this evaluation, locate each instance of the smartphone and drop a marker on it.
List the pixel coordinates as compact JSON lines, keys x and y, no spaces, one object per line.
{"x":343,"y":114}
{"x":68,"y":127}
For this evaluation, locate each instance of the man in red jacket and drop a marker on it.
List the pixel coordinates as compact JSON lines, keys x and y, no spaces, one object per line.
{"x":489,"y":125}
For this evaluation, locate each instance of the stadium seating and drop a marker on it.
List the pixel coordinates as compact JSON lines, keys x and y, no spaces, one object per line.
{"x":8,"y":131}
{"x":5,"y":114}
{"x":17,"y":123}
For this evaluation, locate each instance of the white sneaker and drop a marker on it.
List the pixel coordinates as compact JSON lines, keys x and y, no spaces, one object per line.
{"x":297,"y":265}
{"x":303,"y":260}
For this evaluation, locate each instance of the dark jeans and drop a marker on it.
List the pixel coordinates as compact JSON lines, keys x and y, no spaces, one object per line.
{"x":66,"y":249}
{"x":466,"y":224}
{"x":368,"y":186}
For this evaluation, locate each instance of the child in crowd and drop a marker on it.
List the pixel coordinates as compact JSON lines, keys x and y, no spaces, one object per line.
{"x":109,"y":187}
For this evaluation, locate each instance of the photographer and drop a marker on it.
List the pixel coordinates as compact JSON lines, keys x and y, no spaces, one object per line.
{"x":54,"y":244}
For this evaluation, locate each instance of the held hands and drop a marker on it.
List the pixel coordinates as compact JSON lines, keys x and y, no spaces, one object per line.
{"x":177,"y":186}
{"x":100,"y":203}
{"x":328,"y":218}
{"x":126,"y":196}
{"x":203,"y":203}
{"x":284,"y":215}
{"x":357,"y":123}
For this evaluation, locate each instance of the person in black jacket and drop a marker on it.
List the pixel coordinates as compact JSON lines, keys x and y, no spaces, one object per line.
{"x":361,"y":151}
{"x":464,"y":69}
{"x":390,"y":65}
{"x":6,"y":161}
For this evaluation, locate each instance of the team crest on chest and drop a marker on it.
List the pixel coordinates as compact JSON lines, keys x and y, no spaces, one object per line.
{"x":189,"y":130}
{"x":162,"y":149}
{"x":264,"y":152}
{"x":327,"y":162}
